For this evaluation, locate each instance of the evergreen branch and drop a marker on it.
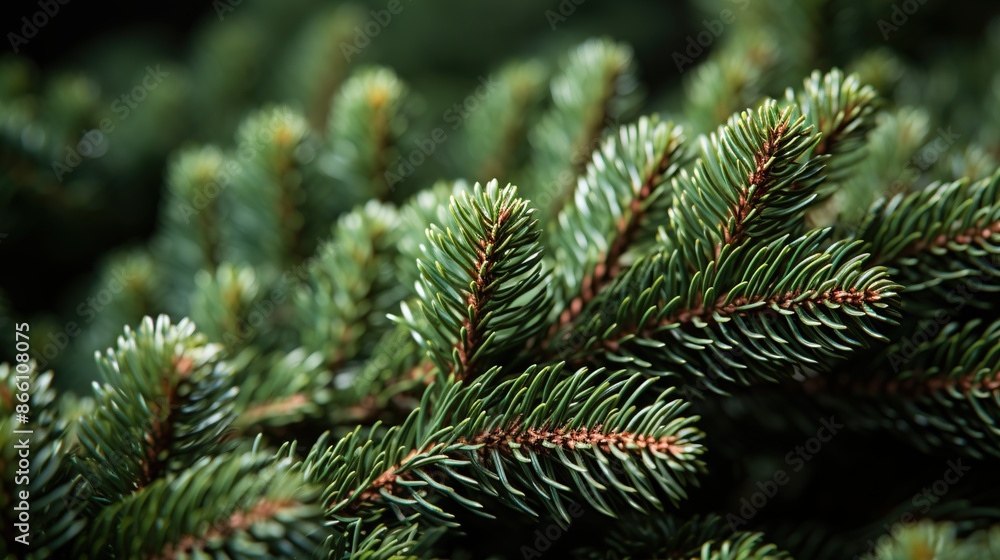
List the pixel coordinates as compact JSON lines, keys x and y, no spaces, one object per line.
{"x":524,"y":441}
{"x":45,"y":437}
{"x":615,"y":207}
{"x":280,"y":388}
{"x":314,"y":66}
{"x":390,"y":381}
{"x":596,"y":84}
{"x":954,"y":378}
{"x":939,"y":234}
{"x":190,"y":218}
{"x":239,"y":505}
{"x":482,"y":289}
{"x":166,"y":402}
{"x":748,"y":183}
{"x":842,"y":111}
{"x":755,"y":310}
{"x":221,"y":303}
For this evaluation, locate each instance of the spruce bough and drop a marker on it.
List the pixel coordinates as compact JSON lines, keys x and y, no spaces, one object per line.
{"x":535,"y":359}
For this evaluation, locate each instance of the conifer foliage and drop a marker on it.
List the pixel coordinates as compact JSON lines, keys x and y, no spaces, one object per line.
{"x":325,"y":365}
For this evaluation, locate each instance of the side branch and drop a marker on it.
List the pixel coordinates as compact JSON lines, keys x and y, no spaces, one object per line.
{"x":708,"y":314}
{"x":627,"y":228}
{"x":484,"y":285}
{"x":541,"y":441}
{"x":759,"y":182}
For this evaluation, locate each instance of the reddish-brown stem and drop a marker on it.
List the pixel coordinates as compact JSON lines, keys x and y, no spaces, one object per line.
{"x":483,"y":286}
{"x":609,"y":265}
{"x":161,"y":431}
{"x":708,"y":313}
{"x":759,"y":177}
{"x":964,"y":237}
{"x":537,"y":440}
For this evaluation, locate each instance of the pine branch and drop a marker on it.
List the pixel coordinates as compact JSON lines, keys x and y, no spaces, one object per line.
{"x":527,"y":441}
{"x":481,"y":290}
{"x":939,"y":235}
{"x":617,"y":204}
{"x":941,"y":369}
{"x":264,"y":203}
{"x":190,"y":219}
{"x":748,"y":183}
{"x":279,"y":389}
{"x":842,"y":111}
{"x":221,"y":302}
{"x":230,"y":505}
{"x":166,"y":403}
{"x":753,"y":313}
{"x":495,"y":134}
{"x":315,"y":65}
{"x":340,"y":308}
{"x":389,"y":383}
